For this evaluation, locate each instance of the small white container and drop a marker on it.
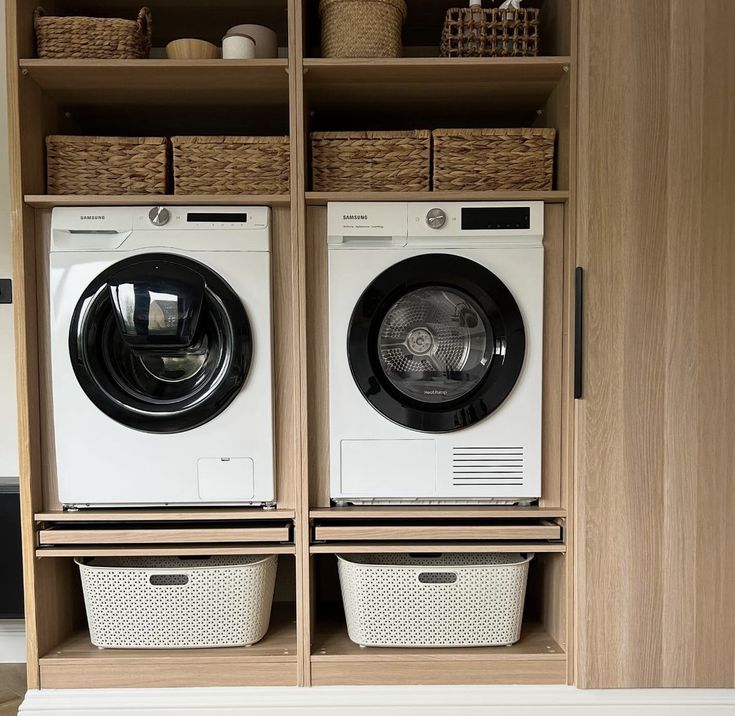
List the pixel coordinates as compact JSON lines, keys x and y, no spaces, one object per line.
{"x":238,"y":47}
{"x":178,"y":603}
{"x":446,"y":600}
{"x":266,"y":40}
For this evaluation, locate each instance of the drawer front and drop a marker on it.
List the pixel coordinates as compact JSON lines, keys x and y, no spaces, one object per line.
{"x":472,"y":532}
{"x":167,"y":535}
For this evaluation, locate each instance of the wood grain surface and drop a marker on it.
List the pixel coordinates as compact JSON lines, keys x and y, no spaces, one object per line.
{"x":655,"y":587}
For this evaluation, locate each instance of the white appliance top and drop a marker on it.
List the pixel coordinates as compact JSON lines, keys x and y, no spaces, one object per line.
{"x":434,"y":225}
{"x":189,"y":228}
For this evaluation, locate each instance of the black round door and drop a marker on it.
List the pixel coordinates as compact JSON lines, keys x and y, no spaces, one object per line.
{"x":436,"y":343}
{"x":160,"y":343}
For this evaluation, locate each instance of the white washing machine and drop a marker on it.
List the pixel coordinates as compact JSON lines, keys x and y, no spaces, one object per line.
{"x":436,"y":348}
{"x":161,"y":355}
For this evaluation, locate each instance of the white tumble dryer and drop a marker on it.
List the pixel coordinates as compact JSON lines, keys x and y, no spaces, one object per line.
{"x":161,"y":355}
{"x":435,"y":352}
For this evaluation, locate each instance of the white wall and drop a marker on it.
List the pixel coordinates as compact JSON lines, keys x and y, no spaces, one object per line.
{"x":8,"y":427}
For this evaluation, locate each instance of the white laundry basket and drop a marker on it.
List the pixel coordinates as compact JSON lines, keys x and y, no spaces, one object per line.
{"x":434,"y":600}
{"x":176,"y":603}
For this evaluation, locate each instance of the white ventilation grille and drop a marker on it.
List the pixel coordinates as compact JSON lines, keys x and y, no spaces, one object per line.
{"x":487,"y":466}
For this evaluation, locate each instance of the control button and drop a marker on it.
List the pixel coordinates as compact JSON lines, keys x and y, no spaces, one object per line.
{"x":436,"y":218}
{"x":159,"y":215}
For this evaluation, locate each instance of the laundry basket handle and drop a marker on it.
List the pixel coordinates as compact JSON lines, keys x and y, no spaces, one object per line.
{"x":443,"y":577}
{"x":166,"y":579}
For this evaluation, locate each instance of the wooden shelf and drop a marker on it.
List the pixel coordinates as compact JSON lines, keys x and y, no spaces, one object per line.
{"x":551,"y":197}
{"x":416,"y":547}
{"x":439,"y":512}
{"x":535,"y":659}
{"x":516,"y":85}
{"x":164,"y":550}
{"x":161,"y":82}
{"x":184,"y":514}
{"x":76,"y":663}
{"x":48,"y":201}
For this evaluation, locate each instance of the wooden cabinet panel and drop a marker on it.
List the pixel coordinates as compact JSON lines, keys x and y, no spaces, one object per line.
{"x":655,"y":461}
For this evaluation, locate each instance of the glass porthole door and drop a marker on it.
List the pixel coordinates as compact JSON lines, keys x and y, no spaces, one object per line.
{"x":436,"y":343}
{"x":160,"y":343}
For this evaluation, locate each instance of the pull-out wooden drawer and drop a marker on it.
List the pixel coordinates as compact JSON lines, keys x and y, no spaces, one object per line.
{"x":151,"y":534}
{"x":417,"y":530}
{"x":184,"y":532}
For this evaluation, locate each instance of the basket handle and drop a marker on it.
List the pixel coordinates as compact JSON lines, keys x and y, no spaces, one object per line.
{"x":437,"y":577}
{"x":38,"y":13}
{"x":425,"y":555}
{"x":168,"y":580}
{"x":145,"y":23}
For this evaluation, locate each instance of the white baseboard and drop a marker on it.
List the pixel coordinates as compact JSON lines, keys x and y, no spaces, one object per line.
{"x":386,"y":701}
{"x":12,"y":641}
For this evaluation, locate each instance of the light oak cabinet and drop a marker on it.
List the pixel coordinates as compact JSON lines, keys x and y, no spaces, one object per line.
{"x":655,"y":456}
{"x":634,"y":577}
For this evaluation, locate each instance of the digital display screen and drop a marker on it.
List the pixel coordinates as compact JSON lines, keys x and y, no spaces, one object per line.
{"x":496,"y":217}
{"x":213,"y":217}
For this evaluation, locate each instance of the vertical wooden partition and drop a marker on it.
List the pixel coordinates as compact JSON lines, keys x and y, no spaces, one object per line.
{"x":298,"y":235}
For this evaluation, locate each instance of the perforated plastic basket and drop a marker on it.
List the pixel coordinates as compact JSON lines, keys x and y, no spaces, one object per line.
{"x":175,"y":603}
{"x":440,"y":600}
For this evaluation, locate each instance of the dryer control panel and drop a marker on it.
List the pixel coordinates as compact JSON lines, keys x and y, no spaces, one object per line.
{"x":449,"y":224}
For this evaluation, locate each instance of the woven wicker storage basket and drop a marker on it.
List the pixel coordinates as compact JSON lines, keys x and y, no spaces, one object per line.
{"x":106,"y":165}
{"x":490,"y":159}
{"x":362,"y":28}
{"x":478,"y":32}
{"x":93,"y":37}
{"x":231,"y":165}
{"x":371,"y":161}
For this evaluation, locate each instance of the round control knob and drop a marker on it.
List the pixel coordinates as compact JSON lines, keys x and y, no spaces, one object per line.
{"x":436,"y":218}
{"x":159,"y":215}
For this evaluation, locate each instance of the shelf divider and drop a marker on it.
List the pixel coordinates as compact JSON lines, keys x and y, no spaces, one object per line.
{"x":48,"y":201}
{"x":318,"y":198}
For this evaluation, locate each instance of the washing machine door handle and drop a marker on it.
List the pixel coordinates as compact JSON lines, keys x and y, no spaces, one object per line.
{"x":157,"y":304}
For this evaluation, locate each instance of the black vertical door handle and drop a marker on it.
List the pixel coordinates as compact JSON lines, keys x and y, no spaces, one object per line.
{"x":6,"y":290}
{"x":578,"y":326}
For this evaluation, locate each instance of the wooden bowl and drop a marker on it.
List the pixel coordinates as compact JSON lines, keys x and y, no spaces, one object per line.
{"x":188,"y":49}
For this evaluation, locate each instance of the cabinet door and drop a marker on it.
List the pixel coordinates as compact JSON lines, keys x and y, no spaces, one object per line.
{"x":655,"y":460}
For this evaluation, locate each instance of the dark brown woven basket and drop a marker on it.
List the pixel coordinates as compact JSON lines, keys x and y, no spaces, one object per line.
{"x":231,"y":165}
{"x":492,"y":159}
{"x":93,"y":37}
{"x":362,"y":28}
{"x":479,"y":32}
{"x":106,"y":165}
{"x":371,"y":161}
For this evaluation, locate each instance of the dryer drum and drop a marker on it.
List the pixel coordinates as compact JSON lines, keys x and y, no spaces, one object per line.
{"x":160,"y":343}
{"x":436,"y":342}
{"x":433,"y":344}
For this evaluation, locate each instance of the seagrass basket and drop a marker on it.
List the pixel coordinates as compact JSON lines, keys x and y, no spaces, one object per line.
{"x":371,"y":161}
{"x":491,"y":32}
{"x":93,"y":37}
{"x":362,"y":28}
{"x":490,"y":159}
{"x":106,"y":165}
{"x":231,"y":165}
